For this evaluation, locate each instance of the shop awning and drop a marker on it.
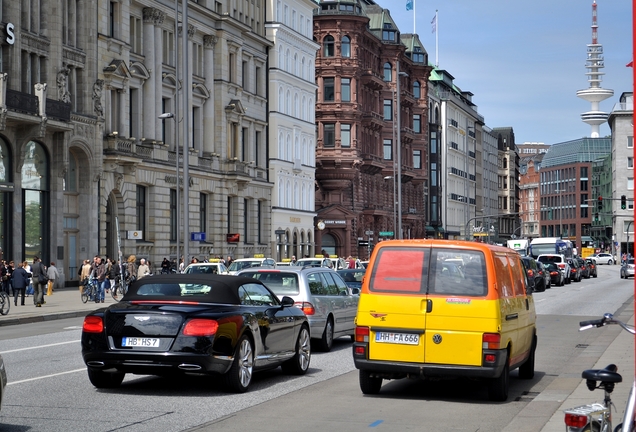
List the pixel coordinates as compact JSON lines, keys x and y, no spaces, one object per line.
{"x":430,"y":228}
{"x":585,"y":239}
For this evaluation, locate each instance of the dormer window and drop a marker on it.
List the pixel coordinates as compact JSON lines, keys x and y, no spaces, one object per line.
{"x":418,"y":55}
{"x":388,"y":32}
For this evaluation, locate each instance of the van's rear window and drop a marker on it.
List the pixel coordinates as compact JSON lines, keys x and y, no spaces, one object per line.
{"x":400,"y":270}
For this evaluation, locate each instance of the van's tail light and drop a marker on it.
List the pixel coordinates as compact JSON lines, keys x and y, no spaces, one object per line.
{"x":362,"y":334}
{"x":201,"y":327}
{"x":306,"y":307}
{"x":576,"y":420}
{"x":93,"y":324}
{"x":491,"y":340}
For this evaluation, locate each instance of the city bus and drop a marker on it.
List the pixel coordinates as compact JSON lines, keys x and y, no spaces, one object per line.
{"x":550,"y":245}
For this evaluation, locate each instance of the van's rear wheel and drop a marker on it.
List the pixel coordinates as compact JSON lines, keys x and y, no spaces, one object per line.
{"x":526,"y":370}
{"x":369,"y":384}
{"x":498,"y":387}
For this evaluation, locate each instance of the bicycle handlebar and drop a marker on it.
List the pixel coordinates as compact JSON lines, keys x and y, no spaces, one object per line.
{"x":607,"y":319}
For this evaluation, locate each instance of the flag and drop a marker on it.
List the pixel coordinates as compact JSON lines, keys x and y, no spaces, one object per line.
{"x":409,"y":5}
{"x":434,"y":24}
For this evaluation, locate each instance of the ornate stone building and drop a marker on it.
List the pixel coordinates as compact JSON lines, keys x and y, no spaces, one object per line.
{"x":362,"y":63}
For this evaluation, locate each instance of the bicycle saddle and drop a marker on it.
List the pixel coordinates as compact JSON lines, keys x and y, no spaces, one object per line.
{"x":608,"y":374}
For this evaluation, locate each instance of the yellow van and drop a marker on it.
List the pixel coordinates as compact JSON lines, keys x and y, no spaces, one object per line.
{"x":443,"y":309}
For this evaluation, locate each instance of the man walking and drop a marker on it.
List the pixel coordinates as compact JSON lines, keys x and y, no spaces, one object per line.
{"x":39,"y":281}
{"x":53,"y":276}
{"x":20,"y":280}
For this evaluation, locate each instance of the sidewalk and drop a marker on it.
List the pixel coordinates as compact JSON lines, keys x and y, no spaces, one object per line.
{"x":64,"y":303}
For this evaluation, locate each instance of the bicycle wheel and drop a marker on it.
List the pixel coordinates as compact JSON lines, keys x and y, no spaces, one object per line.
{"x":116,"y":292}
{"x":5,"y":303}
{"x":85,"y":294}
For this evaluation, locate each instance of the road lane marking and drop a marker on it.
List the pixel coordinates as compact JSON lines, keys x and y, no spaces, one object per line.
{"x":45,"y":376}
{"x":40,"y":346}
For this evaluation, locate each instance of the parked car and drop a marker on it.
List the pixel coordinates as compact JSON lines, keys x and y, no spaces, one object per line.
{"x":353,"y":278}
{"x":207,"y":268}
{"x":545,"y":273}
{"x":575,"y":270}
{"x":560,"y":261}
{"x":320,"y":292}
{"x":3,"y":380}
{"x":557,"y":278}
{"x":627,"y":268}
{"x":257,"y":261}
{"x":585,"y":271}
{"x":602,"y":258}
{"x":592,"y":266}
{"x":535,"y":280}
{"x":195,"y":324}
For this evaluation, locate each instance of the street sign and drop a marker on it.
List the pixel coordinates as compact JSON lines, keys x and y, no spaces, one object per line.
{"x":386,"y":233}
{"x":363,"y":243}
{"x":279,"y":232}
{"x":368,"y":233}
{"x":197,"y":236}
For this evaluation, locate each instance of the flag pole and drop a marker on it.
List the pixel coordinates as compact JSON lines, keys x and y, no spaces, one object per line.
{"x":414,"y":32}
{"x":436,"y":40}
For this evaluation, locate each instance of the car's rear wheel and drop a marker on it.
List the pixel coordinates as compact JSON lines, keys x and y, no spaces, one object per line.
{"x":101,"y":379}
{"x":239,"y":377}
{"x":326,"y":341}
{"x":568,"y":280}
{"x":369,"y":384}
{"x":498,"y":387}
{"x":562,"y":282}
{"x":526,"y":370}
{"x":299,"y":363}
{"x":610,"y":262}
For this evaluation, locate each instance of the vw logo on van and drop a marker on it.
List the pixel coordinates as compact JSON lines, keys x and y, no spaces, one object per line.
{"x":437,"y":338}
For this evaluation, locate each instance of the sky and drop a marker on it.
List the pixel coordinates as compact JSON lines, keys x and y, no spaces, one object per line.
{"x":524,"y":60}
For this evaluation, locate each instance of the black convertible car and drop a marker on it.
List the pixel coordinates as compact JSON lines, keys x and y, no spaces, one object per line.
{"x":228,"y":326}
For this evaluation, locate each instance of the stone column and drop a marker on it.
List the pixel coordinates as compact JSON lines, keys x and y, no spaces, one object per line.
{"x":158,"y":78}
{"x":149,"y":127}
{"x":188,"y":80}
{"x":209,"y":42}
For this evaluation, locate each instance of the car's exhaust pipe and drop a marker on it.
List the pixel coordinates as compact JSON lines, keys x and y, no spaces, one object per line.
{"x":189,"y":367}
{"x":95,"y":363}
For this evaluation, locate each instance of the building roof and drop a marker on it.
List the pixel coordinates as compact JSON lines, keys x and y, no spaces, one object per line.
{"x":578,"y":150}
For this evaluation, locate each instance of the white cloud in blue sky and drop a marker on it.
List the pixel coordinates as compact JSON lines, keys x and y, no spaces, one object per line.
{"x":525,"y":60}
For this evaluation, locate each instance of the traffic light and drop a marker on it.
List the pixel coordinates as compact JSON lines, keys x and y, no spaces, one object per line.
{"x":595,"y":217}
{"x":599,"y":203}
{"x":623,"y":202}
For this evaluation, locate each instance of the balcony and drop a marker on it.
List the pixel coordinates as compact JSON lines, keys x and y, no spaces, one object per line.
{"x":372,"y":164}
{"x":335,"y":174}
{"x":372,"y":80}
{"x":373,"y":120}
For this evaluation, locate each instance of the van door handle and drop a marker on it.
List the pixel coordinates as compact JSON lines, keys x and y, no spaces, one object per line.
{"x":512,"y":317}
{"x":527,"y":304}
{"x":429,"y":306}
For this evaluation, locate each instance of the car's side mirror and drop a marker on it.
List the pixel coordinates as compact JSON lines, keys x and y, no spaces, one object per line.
{"x":286,"y":301}
{"x":355,"y":291}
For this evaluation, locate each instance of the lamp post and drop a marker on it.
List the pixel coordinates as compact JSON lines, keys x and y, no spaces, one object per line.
{"x":394,"y":203}
{"x":187,"y":78}
{"x":399,"y":150}
{"x":176,"y":153}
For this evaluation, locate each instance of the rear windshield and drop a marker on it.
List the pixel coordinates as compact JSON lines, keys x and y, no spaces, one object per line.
{"x":182,"y":292}
{"x":282,"y":283}
{"x":550,"y":259}
{"x":425,"y":270}
{"x":240,"y":265}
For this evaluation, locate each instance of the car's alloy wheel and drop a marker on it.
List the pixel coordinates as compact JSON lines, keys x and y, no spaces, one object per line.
{"x":239,"y":377}
{"x":326,"y":342}
{"x":299,"y":364}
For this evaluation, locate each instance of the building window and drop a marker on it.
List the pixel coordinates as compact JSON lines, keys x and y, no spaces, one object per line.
{"x":630,"y":162}
{"x":345,"y":135}
{"x":329,"y":135}
{"x":388,"y":149}
{"x":329,"y":89}
{"x":173,"y":215}
{"x":141,"y":210}
{"x":203,"y":211}
{"x":328,"y":46}
{"x":388,"y":109}
{"x":346,"y":46}
{"x":388,"y":71}
{"x":416,"y":90}
{"x":345,"y":84}
{"x":417,"y":159}
{"x":417,"y":123}
{"x":135,"y":34}
{"x":630,"y":141}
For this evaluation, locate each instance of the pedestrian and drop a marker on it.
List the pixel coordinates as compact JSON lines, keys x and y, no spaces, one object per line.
{"x":29,"y":289}
{"x":351,"y":263}
{"x":85,"y":273}
{"x":113,"y":275}
{"x":10,"y":270}
{"x":143,"y":269}
{"x":293,"y":260}
{"x":53,"y":276}
{"x":4,"y":284}
{"x":181,"y":265}
{"x":39,"y":280}
{"x":131,"y":269}
{"x":165,"y":266}
{"x":20,"y":280}
{"x":98,"y":273}
{"x":228,"y":261}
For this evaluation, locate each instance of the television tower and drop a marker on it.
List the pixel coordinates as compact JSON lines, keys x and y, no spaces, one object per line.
{"x":595,"y":93}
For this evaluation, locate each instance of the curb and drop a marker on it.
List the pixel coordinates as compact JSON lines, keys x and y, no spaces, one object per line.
{"x":42,"y":318}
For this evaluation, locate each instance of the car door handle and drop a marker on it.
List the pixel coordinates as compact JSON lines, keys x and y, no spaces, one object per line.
{"x":512,"y":317}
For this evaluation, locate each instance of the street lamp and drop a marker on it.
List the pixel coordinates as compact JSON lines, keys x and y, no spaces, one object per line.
{"x":399,"y":150}
{"x":394,"y":203}
{"x":176,"y":153}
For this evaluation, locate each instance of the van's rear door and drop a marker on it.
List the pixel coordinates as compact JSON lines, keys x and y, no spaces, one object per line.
{"x":397,"y":304}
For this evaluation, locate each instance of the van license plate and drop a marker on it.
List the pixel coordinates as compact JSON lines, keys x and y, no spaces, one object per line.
{"x":397,"y":338}
{"x":140,"y":342}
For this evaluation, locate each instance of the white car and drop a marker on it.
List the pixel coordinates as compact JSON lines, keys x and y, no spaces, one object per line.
{"x":207,"y":268}
{"x":560,"y":261}
{"x":245,"y":263}
{"x":602,"y":258}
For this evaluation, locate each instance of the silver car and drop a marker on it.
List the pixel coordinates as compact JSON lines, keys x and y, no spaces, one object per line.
{"x":320,"y":292}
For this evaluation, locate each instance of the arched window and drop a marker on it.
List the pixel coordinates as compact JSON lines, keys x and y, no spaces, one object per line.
{"x":388,"y":71}
{"x":416,"y":90}
{"x":302,"y":68}
{"x":281,"y":100}
{"x":35,"y":199}
{"x":295,"y":70}
{"x":346,"y":46}
{"x":328,"y":46}
{"x":281,"y":58}
{"x":281,"y":145}
{"x":288,"y":61}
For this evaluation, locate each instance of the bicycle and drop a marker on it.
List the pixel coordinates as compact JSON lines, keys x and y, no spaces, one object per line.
{"x":90,"y":290}
{"x":597,"y":417}
{"x":119,"y":289}
{"x":5,"y":303}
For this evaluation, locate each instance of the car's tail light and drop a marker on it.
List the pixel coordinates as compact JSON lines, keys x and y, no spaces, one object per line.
{"x":491,"y":340}
{"x":362,"y":334}
{"x":200,"y":327}
{"x":554,"y":273}
{"x":530,"y":273}
{"x":490,"y":358}
{"x":306,"y":307}
{"x":93,"y":324}
{"x":576,"y":420}
{"x":561,"y":266}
